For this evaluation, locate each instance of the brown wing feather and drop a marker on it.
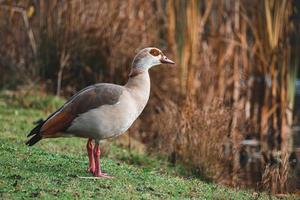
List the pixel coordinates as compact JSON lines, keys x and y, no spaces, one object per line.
{"x":90,"y":98}
{"x":58,"y":123}
{"x":85,"y":100}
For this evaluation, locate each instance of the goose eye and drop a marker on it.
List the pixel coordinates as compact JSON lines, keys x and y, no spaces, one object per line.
{"x":154,"y":52}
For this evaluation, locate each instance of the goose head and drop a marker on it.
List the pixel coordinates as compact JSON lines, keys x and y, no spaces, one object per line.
{"x":150,"y":57}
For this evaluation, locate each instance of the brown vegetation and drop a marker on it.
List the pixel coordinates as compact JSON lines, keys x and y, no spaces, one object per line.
{"x":225,"y":112}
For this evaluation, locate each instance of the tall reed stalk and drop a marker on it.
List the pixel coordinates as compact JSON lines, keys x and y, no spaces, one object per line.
{"x":251,"y":66}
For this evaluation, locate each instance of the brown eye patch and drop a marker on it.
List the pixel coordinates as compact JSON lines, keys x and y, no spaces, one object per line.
{"x":154,"y":52}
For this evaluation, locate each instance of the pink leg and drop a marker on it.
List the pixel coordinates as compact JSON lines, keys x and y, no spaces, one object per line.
{"x":90,"y":150}
{"x":98,"y":172}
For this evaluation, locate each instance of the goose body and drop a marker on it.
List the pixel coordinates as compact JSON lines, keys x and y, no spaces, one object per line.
{"x":102,"y":110}
{"x":113,"y":119}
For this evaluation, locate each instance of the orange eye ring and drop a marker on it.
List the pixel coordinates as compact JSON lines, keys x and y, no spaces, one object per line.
{"x":154,"y":52}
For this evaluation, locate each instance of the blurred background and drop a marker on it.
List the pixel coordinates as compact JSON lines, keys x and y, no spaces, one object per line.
{"x":229,"y":111}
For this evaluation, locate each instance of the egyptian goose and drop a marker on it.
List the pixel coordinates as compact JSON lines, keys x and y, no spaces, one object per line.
{"x":103,"y":110}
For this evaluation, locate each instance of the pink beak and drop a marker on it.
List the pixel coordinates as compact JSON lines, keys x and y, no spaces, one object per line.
{"x":166,"y":60}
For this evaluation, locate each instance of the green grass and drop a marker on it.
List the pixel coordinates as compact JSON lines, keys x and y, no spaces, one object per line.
{"x":51,"y":169}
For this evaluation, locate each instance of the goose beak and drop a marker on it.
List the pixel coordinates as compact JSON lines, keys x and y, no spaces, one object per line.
{"x":166,"y":60}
